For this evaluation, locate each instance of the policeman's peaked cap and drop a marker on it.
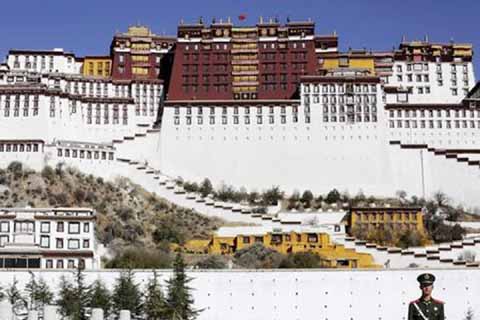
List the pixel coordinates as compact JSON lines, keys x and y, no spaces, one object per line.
{"x":426,"y":278}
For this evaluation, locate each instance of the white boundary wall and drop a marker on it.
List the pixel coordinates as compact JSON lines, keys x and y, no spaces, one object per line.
{"x":305,"y":295}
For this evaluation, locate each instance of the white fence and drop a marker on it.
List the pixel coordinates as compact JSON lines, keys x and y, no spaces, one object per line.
{"x":304,"y":294}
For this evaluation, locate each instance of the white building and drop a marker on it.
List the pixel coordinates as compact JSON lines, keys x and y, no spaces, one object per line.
{"x":44,"y":61}
{"x":51,"y":238}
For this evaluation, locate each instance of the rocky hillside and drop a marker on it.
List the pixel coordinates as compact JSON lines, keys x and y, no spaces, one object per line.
{"x":127,"y":214}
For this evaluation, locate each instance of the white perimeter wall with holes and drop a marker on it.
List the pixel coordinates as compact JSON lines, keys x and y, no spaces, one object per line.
{"x":305,"y":295}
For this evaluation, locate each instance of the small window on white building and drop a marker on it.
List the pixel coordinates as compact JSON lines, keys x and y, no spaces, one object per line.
{"x":45,"y":227}
{"x":44,"y":241}
{"x":4,"y":226}
{"x":3,"y":240}
{"x":73,"y":244}
{"x":74,"y":227}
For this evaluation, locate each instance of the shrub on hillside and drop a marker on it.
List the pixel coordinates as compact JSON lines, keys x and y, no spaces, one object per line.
{"x":307,"y":198}
{"x":140,"y":258}
{"x":206,"y":188}
{"x":167,"y":230}
{"x":15,"y":168}
{"x":446,"y":233}
{"x":257,"y":256}
{"x":211,"y":262}
{"x":270,"y":197}
{"x":301,"y":260}
{"x":333,"y":196}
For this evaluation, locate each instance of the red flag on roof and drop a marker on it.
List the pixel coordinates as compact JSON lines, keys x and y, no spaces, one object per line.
{"x":242,"y":17}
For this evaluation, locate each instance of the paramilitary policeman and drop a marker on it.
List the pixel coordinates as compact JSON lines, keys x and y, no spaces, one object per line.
{"x":426,"y":308}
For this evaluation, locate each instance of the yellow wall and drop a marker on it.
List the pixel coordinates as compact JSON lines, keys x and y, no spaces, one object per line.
{"x":97,"y":66}
{"x":365,"y":63}
{"x":353,"y":62}
{"x":331,"y":255}
{"x":375,"y":217}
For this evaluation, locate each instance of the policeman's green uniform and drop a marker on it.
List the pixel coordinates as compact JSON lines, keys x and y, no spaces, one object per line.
{"x":421,"y":309}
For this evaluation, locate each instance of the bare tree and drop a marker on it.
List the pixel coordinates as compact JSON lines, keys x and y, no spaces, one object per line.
{"x":441,"y":198}
{"x":402,"y":195}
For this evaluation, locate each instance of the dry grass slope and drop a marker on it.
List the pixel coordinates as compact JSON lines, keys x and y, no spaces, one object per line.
{"x":127,"y":213}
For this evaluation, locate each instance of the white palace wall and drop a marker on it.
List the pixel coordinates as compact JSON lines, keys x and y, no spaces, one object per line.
{"x":299,"y":155}
{"x":315,"y":156}
{"x":305,"y":294}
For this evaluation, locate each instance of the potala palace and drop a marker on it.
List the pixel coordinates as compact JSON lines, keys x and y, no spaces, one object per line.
{"x":265,"y":105}
{"x":252,"y":106}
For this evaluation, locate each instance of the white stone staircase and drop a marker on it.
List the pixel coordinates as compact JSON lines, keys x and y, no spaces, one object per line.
{"x":441,"y":255}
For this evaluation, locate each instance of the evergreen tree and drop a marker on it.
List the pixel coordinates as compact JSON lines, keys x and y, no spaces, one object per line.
{"x":73,"y":297}
{"x":179,"y":298}
{"x":38,"y":292}
{"x":100,"y":297}
{"x":65,"y":296}
{"x":126,"y":295}
{"x":155,"y":306}
{"x":206,"y":187}
{"x":15,"y":297}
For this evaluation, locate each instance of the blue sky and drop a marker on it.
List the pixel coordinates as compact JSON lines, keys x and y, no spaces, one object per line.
{"x":87,"y":26}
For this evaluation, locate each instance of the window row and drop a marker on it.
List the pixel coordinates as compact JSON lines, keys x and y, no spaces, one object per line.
{"x":340,"y":88}
{"x":45,"y":226}
{"x":60,"y":263}
{"x":434,"y":113}
{"x":84,"y":154}
{"x":105,"y":116}
{"x":18,"y":100}
{"x":72,"y":244}
{"x":18,"y":111}
{"x":351,"y":118}
{"x":236,"y":110}
{"x":246,"y":119}
{"x":434,"y":124}
{"x":19,"y":147}
{"x":144,"y":111}
{"x":341,"y":99}
{"x":425,"y":67}
{"x":418,"y":77}
{"x":350,"y":109}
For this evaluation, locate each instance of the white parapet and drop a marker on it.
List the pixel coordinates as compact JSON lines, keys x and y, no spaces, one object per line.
{"x":97,"y":314}
{"x":124,"y":315}
{"x":50,"y":313}
{"x":33,"y":315}
{"x":6,"y":311}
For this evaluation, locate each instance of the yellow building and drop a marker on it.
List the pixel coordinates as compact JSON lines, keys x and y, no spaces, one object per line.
{"x":97,"y":66}
{"x":395,"y":218}
{"x":229,"y":240}
{"x":353,"y":59}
